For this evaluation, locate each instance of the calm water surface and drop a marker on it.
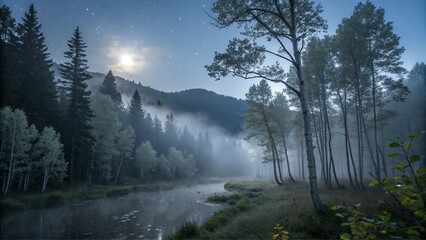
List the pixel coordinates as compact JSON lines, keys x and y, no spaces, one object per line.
{"x":143,"y":215}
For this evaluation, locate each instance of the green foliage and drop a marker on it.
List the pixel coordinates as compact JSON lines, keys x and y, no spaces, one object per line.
{"x":54,"y":199}
{"x":109,"y":87}
{"x":79,"y":137}
{"x":9,"y":80}
{"x":105,"y":130}
{"x":222,"y":218}
{"x":136,"y":117}
{"x":362,"y":227}
{"x":180,"y":165}
{"x":124,"y":145}
{"x":230,"y":199}
{"x":405,"y":216}
{"x":146,"y":159}
{"x":9,"y":205}
{"x":188,"y":230}
{"x":49,"y":150}
{"x":36,"y":94}
{"x":280,"y":233}
{"x":16,"y":140}
{"x":117,"y":192}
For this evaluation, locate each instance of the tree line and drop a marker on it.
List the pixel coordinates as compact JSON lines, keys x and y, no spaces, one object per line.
{"x":341,"y":85}
{"x":58,"y":130}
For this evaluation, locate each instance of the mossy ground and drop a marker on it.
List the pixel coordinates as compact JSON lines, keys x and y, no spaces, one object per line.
{"x":256,"y":206}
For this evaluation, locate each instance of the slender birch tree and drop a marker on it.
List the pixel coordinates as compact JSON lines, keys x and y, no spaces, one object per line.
{"x":288,"y":23}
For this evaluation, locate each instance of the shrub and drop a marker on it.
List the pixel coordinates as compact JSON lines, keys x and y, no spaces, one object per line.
{"x":280,"y":233}
{"x":117,"y":192}
{"x":405,"y":216}
{"x":188,"y":230}
{"x":8,"y":206}
{"x":54,"y":199}
{"x":230,"y":199}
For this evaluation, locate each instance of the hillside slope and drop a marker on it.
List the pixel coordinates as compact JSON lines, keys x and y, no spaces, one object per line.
{"x":223,"y":111}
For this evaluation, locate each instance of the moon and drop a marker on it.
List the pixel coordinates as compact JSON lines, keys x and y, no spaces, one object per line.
{"x":126,"y":60}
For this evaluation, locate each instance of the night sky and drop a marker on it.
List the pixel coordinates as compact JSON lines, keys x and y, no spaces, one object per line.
{"x":166,"y":43}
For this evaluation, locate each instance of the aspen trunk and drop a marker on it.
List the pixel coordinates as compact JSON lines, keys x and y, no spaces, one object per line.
{"x":11,"y":161}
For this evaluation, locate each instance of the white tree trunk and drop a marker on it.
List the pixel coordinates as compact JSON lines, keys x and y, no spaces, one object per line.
{"x":11,"y":163}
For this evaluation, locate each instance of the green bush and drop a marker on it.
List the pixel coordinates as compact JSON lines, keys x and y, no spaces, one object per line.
{"x":8,"y":206}
{"x":219,"y":219}
{"x":54,"y":199}
{"x":117,"y":192}
{"x":405,"y":215}
{"x":243,"y":205}
{"x":188,"y":230}
{"x":230,"y":199}
{"x":226,"y":215}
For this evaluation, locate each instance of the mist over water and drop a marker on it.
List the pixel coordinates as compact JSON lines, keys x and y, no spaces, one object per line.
{"x":143,"y":215}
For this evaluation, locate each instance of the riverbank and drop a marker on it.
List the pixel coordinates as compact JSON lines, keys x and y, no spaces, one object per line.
{"x":255,"y":207}
{"x":16,"y":202}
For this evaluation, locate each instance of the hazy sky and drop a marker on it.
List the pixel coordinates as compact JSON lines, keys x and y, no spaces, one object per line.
{"x":166,"y":43}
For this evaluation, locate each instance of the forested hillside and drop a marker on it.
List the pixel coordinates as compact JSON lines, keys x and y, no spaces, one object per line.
{"x":223,"y":111}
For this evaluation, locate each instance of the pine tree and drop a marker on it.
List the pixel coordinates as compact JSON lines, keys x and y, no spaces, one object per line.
{"x":187,"y":141}
{"x":8,"y":58}
{"x":109,"y":87}
{"x":79,"y":137}
{"x":148,"y":127}
{"x":38,"y":96}
{"x":136,"y":117}
{"x":170,"y":132}
{"x":157,"y":135}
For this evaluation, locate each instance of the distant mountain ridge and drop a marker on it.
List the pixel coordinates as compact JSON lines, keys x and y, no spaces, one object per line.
{"x":224,"y":111}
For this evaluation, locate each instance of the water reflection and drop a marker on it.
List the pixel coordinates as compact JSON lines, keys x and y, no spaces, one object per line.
{"x":145,"y":215}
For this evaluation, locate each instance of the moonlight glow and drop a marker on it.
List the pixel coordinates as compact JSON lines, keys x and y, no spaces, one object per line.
{"x":126,"y":60}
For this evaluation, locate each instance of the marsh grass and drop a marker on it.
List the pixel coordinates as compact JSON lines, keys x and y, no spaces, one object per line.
{"x":259,"y":205}
{"x":188,"y":230}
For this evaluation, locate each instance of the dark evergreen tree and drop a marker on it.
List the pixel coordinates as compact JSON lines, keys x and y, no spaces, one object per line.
{"x":157,"y":134}
{"x":170,"y":132}
{"x":136,"y":117}
{"x":187,"y":141}
{"x":38,"y":96}
{"x":208,"y":152}
{"x":8,"y":58}
{"x":109,"y":87}
{"x":204,"y":154}
{"x":79,"y":139}
{"x":7,"y":24}
{"x":148,"y":127}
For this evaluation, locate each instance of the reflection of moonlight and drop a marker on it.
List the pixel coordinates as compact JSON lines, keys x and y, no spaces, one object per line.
{"x":126,"y":60}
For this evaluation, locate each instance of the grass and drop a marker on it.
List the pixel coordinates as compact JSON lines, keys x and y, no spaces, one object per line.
{"x":256,"y":206}
{"x":15,"y":202}
{"x":187,"y":231}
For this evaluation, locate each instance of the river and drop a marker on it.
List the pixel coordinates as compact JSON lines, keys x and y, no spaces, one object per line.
{"x":141,"y":215}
